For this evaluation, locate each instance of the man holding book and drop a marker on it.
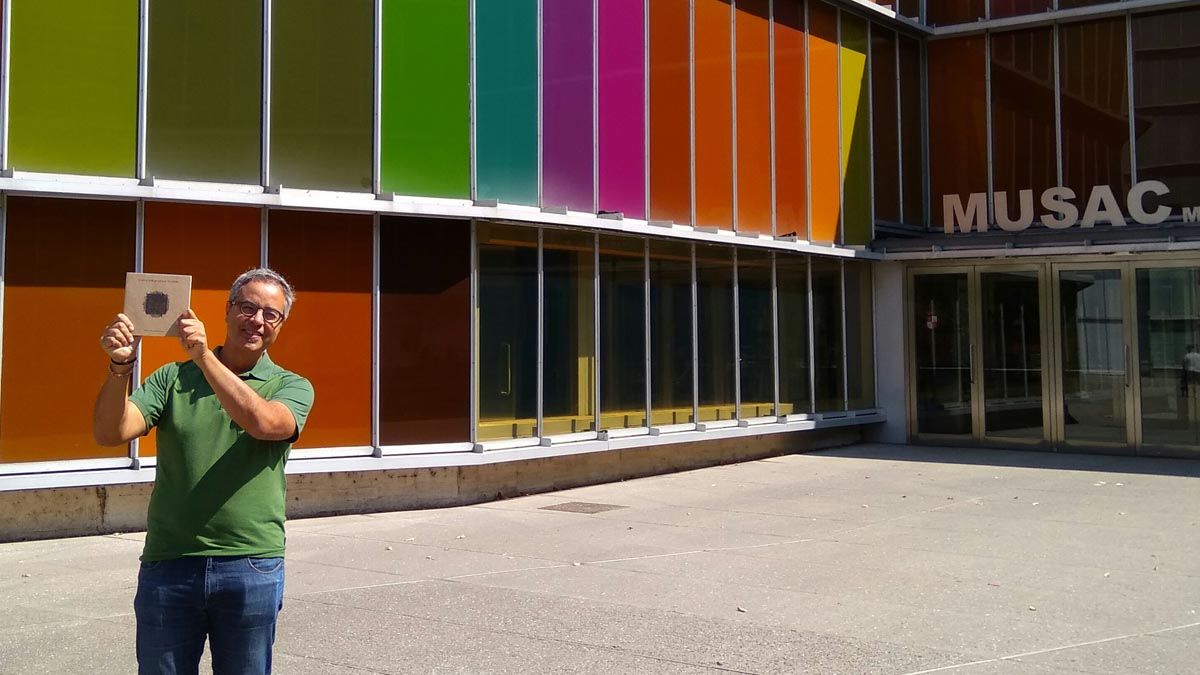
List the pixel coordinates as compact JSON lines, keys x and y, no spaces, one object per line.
{"x":212,"y":566}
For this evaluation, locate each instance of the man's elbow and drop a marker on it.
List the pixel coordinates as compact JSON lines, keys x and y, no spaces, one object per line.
{"x":107,"y":438}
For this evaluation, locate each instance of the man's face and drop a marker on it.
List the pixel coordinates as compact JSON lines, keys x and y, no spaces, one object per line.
{"x":247,"y":316}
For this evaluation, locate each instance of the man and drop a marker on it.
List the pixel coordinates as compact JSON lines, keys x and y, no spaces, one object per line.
{"x":212,"y":565}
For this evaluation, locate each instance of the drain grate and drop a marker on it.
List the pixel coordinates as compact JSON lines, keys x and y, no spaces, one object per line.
{"x":583,"y":507}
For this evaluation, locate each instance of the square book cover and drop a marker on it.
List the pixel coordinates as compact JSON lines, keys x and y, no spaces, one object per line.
{"x":153,"y":302}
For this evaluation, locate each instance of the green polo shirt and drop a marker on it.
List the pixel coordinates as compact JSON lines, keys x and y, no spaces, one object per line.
{"x":218,"y":491}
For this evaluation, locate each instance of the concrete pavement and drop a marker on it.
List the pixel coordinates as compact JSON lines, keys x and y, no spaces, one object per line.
{"x":868,"y":559}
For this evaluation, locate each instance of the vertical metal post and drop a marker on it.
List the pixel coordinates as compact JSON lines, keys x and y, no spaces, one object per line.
{"x":695,"y":343}
{"x":142,"y":87}
{"x":376,"y":356}
{"x":266,"y":100}
{"x":737,"y":342}
{"x":377,"y":108}
{"x":596,"y":331}
{"x":139,"y":265}
{"x":541,"y":333}
{"x":646,"y":318}
{"x":775,"y":330}
{"x":812,"y":340}
{"x":473,"y":384}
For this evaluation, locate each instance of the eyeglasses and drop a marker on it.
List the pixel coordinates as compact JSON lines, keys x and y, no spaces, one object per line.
{"x":248,"y":309}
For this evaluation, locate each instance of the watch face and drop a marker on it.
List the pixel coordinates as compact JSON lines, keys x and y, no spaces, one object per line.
{"x":156,"y":304}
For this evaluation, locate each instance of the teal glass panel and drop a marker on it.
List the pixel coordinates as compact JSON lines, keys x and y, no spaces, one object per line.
{"x":425,"y":148}
{"x":204,"y":97}
{"x":322,"y":94}
{"x":74,"y":70}
{"x":506,"y":99}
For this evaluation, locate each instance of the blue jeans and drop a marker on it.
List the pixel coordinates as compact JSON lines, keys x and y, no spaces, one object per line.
{"x":232,"y":601}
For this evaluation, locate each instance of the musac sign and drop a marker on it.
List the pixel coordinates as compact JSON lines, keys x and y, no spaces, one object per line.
{"x":1102,"y":207}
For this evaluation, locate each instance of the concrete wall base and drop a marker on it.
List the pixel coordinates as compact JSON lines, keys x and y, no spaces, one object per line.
{"x":83,"y":511}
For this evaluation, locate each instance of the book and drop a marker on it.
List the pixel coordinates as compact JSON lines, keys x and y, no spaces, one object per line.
{"x":153,"y":302}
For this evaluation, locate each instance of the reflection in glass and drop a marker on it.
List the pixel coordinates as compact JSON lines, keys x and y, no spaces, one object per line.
{"x":1012,"y":357}
{"x":670,"y":333}
{"x":795,"y":386}
{"x":507,"y":324}
{"x":756,"y":332}
{"x":1166,"y":77}
{"x":860,"y":336}
{"x":568,"y":345}
{"x":1169,"y":355}
{"x":943,"y":12}
{"x":886,"y":142}
{"x":1023,"y":126}
{"x":1093,"y":356}
{"x":827,"y":335}
{"x":622,"y":332}
{"x":942,"y":350}
{"x":957,"y":121}
{"x":716,"y":357}
{"x":1004,"y":8}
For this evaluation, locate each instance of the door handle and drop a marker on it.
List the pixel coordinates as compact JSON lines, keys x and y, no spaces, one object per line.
{"x":971,"y":363}
{"x":1128,"y":367}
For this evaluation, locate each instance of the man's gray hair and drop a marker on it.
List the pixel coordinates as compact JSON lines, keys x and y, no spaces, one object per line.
{"x":270,"y":276}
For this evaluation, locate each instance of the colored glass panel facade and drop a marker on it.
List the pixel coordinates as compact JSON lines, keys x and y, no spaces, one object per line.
{"x":716,"y":355}
{"x":791,"y":141}
{"x":568,"y":332}
{"x":73,"y":87}
{"x":567,"y":101}
{"x":622,"y":346}
{"x":204,"y":96}
{"x":425,"y":147}
{"x":622,"y":107}
{"x":322,"y":94}
{"x":825,"y":184}
{"x":958,"y":158}
{"x":670,"y":118}
{"x":795,"y":371}
{"x":756,"y":334}
{"x":1024,"y":157}
{"x":714,"y":113}
{"x":828,"y":329}
{"x":911,"y":130}
{"x":753,"y":76}
{"x":855,"y":101}
{"x":506,"y":101}
{"x":885,"y":125}
{"x":671,"y":348}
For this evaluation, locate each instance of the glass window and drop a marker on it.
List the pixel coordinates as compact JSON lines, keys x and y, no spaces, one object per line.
{"x":885,"y":109}
{"x":1004,"y":8}
{"x":622,"y":107}
{"x":322,"y":94}
{"x":671,"y":333}
{"x":622,"y":332}
{"x":1024,"y":162}
{"x":824,"y":166}
{"x":569,"y":338}
{"x":860,"y":335}
{"x":827,"y":334}
{"x":714,"y":114}
{"x":957,"y":124}
{"x":716,"y":356}
{"x":327,"y":257}
{"x":567,"y":72}
{"x":424,"y":149}
{"x":756,"y":334}
{"x":855,"y":131}
{"x":231,"y":245}
{"x":670,"y":116}
{"x":753,"y":43}
{"x":1166,"y":77}
{"x":506,"y":91}
{"x":70,"y":257}
{"x":795,"y":386}
{"x":424,"y":330}
{"x":507,"y":322}
{"x":912,"y":148}
{"x":941,"y":335}
{"x":204,"y":98}
{"x":1095,"y":107}
{"x":791,"y":171}
{"x":943,"y":12}
{"x":73,"y":88}
{"x":1168,"y":324}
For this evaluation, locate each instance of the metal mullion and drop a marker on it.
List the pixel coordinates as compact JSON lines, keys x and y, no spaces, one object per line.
{"x":540,"y":121}
{"x":596,"y":330}
{"x":987,"y":106}
{"x":376,"y":359}
{"x":737,"y":342}
{"x":899,"y":127}
{"x":975,"y":353}
{"x":142,"y":87}
{"x":845,"y":342}
{"x":692,"y":113}
{"x":812,"y":342}
{"x":806,"y":235}
{"x":596,"y":126}
{"x":139,"y":265}
{"x":377,"y":107}
{"x":264,"y":230}
{"x":695,"y":342}
{"x":733,"y":116}
{"x":5,"y":77}
{"x":1133,"y":168}
{"x":645,"y":330}
{"x":1133,"y":402}
{"x":541,"y":332}
{"x":473,"y":322}
{"x":1058,"y":140}
{"x":265,"y":159}
{"x":771,"y":104}
{"x":775,"y":330}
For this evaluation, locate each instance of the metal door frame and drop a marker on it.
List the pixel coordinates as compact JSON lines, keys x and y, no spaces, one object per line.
{"x":910,"y":338}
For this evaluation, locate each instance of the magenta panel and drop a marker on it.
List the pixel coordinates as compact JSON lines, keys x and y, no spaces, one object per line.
{"x":623,"y":107}
{"x":567,"y":84}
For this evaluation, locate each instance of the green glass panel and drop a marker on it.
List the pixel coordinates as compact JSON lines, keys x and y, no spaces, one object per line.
{"x":204,"y":99}
{"x":74,"y":86}
{"x":506,"y":101}
{"x":856,"y":131}
{"x":425,"y":147}
{"x":322,"y":94}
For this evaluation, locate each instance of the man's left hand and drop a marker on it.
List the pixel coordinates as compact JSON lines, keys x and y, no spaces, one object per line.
{"x":192,"y":335}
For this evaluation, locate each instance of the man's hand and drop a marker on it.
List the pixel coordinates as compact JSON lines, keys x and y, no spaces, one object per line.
{"x":118,"y":340}
{"x":192,"y":335}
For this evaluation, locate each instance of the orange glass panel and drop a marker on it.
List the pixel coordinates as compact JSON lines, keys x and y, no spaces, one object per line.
{"x":670,"y":119}
{"x":823,"y":118}
{"x":327,"y":338}
{"x":957,"y":121}
{"x":714,"y":114}
{"x":228,"y":246}
{"x":791,"y":171}
{"x":753,"y":116}
{"x":65,"y":265}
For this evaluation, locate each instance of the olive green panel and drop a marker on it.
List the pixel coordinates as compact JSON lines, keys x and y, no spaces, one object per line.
{"x":73,"y":92}
{"x":426,"y":149}
{"x":856,"y":131}
{"x":322,"y":94}
{"x":204,"y":98}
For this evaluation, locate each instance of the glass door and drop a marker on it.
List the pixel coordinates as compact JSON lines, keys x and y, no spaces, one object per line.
{"x":1010,"y":344}
{"x":1168,"y":357}
{"x":942,"y":396}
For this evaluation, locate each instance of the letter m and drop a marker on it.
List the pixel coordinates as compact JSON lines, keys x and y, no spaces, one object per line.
{"x":1191,"y":214}
{"x":973,"y":217}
